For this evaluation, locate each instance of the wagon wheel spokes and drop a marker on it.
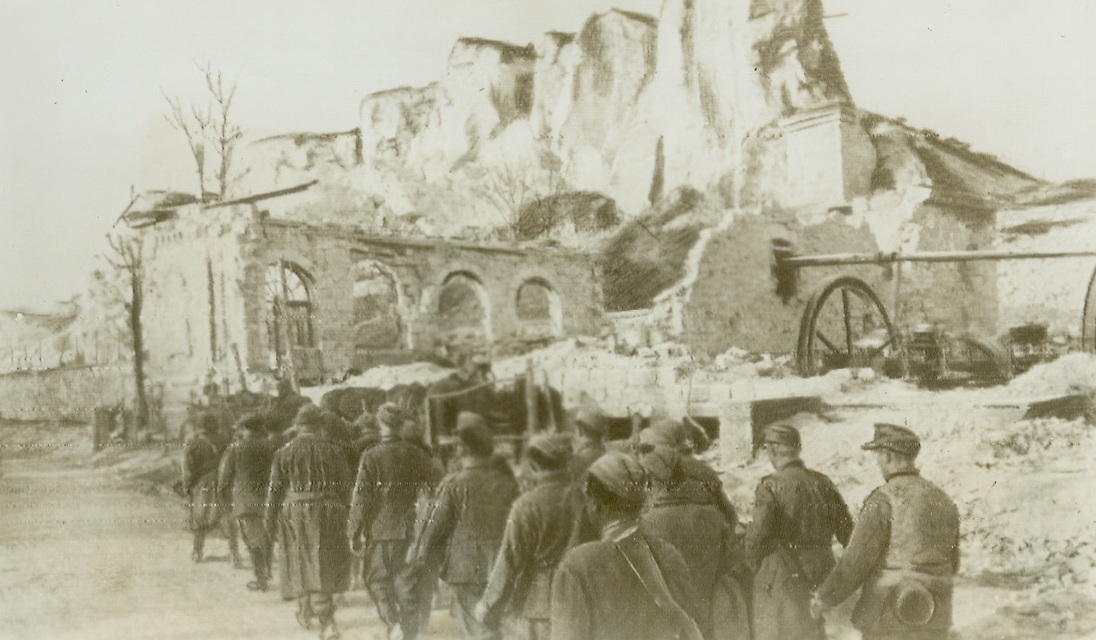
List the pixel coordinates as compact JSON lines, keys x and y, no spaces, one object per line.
{"x":845,"y":307}
{"x":826,"y":341}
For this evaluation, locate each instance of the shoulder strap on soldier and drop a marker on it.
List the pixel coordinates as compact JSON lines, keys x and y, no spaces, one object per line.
{"x":638,"y":555}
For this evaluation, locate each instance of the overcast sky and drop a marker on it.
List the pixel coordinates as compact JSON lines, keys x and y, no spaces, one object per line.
{"x":81,"y":81}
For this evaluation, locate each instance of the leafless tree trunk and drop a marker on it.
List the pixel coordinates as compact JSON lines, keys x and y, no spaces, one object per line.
{"x":195,"y":127}
{"x":226,"y":132}
{"x":127,"y":254}
{"x":211,"y":123}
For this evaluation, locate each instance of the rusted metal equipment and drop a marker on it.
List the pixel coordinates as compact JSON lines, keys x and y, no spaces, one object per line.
{"x":845,"y":324}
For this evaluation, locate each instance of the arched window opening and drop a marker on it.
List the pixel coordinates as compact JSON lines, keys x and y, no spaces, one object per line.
{"x":376,"y":296}
{"x":289,"y":301}
{"x":538,"y":309}
{"x":463,"y":306}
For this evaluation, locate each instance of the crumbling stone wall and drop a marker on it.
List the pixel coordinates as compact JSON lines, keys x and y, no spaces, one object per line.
{"x":962,"y":296}
{"x":1050,"y":291}
{"x":68,"y":393}
{"x":735,"y":303}
{"x":421,"y":270}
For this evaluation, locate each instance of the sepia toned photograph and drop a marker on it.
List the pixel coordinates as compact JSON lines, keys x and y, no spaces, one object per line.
{"x":571,"y":320}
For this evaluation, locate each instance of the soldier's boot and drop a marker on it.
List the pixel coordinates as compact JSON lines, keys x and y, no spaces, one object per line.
{"x":259,"y":564}
{"x":324,"y":607}
{"x":196,"y":553}
{"x":304,"y":612}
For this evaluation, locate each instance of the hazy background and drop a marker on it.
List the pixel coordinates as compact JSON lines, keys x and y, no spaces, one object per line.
{"x":81,"y":105}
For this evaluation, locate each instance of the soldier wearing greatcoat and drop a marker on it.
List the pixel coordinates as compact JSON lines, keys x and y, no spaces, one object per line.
{"x":201,"y":455}
{"x":627,"y":584}
{"x":307,"y":504}
{"x":680,"y":511}
{"x":466,"y":527}
{"x":797,"y":513}
{"x":536,"y":537}
{"x":904,"y":551}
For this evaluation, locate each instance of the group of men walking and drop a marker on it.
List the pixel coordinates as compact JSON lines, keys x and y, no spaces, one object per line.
{"x":591,"y":540}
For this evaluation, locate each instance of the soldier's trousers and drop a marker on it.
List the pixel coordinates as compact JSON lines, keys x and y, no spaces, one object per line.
{"x":319,"y":604}
{"x":465,"y":598}
{"x":258,"y":545}
{"x":384,"y":575}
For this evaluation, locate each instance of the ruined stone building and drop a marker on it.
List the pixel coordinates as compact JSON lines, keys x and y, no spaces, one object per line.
{"x":236,"y":297}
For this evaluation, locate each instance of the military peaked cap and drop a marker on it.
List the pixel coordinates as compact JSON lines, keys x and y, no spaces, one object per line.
{"x":781,"y":434}
{"x":895,"y":438}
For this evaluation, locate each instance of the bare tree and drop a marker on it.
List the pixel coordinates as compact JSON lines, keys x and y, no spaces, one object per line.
{"x":127,"y":256}
{"x":209,"y":123}
{"x":194,"y":123}
{"x":514,"y":186}
{"x":225,"y":132}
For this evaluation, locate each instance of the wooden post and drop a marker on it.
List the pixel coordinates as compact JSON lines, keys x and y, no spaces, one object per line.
{"x":531,"y":418}
{"x":428,"y":427}
{"x":546,"y":393}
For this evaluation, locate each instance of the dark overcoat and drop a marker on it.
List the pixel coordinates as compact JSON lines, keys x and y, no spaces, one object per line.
{"x":308,"y":498}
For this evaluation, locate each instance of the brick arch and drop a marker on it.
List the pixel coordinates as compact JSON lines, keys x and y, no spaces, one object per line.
{"x":450,"y":307}
{"x":535,"y":312}
{"x":399,"y":307}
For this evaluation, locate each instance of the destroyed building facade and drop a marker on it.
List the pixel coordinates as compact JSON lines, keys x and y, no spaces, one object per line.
{"x":236,"y":297}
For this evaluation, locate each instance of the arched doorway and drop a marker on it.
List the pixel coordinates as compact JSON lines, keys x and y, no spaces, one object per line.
{"x":464,"y":310}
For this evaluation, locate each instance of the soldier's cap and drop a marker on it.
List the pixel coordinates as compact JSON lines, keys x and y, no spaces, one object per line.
{"x":365,"y":421}
{"x":252,"y":422}
{"x":309,"y":418}
{"x":895,"y":438}
{"x":622,"y":475}
{"x":473,"y":432}
{"x":591,"y":420}
{"x":389,"y":416}
{"x":550,"y":449}
{"x":207,"y":423}
{"x":784,"y":434}
{"x":673,"y":429}
{"x":412,"y":431}
{"x":660,"y":434}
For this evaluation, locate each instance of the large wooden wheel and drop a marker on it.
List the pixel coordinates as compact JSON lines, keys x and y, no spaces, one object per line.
{"x":844,"y":325}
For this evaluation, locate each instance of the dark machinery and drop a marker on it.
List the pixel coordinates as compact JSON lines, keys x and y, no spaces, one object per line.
{"x":846,"y":325}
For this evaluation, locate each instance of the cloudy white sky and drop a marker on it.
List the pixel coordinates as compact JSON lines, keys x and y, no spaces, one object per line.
{"x":81,"y":81}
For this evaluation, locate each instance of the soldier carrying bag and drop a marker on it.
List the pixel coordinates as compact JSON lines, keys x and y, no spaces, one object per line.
{"x":638,"y":555}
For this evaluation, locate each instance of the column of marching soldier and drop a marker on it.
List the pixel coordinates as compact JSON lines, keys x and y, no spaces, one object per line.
{"x":621,"y":539}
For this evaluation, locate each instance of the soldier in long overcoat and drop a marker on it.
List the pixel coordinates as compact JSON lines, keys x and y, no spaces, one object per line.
{"x":797,"y":514}
{"x":201,"y":456}
{"x":307,"y":504}
{"x":681,"y":513}
{"x":465,"y":530}
{"x":537,"y":535}
{"x":904,"y":552}
{"x":381,"y":522}
{"x":242,"y":483}
{"x":628,"y":584}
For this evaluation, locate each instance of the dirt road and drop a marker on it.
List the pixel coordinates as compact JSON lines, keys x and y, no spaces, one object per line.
{"x":84,"y":555}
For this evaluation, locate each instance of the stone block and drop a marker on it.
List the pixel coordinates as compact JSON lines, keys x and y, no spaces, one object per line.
{"x":638,"y":378}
